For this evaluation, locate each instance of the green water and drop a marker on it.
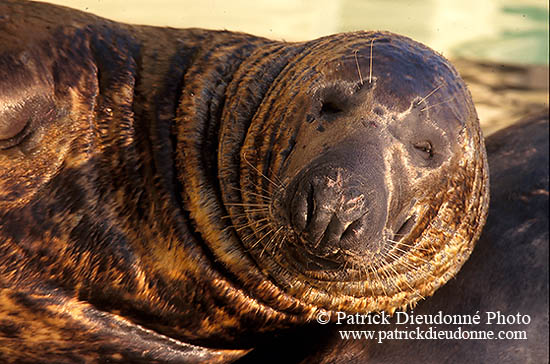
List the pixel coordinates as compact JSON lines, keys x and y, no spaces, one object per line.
{"x":527,"y":46}
{"x":493,"y":30}
{"x":502,"y":31}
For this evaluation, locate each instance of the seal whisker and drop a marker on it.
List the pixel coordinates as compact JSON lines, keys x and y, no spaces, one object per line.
{"x":241,"y":227}
{"x":399,"y":289}
{"x":251,"y":236}
{"x":365,"y":270}
{"x":260,"y":173}
{"x":357,"y":267}
{"x":277,"y":178}
{"x":408,"y":264}
{"x":256,"y":209}
{"x":386,"y":275}
{"x":371,"y":61}
{"x":270,"y":231}
{"x":269,"y":193}
{"x":255,"y":232}
{"x":369,"y":268}
{"x":378,"y":278}
{"x":412,"y":288}
{"x":243,"y":192}
{"x":368,"y":288}
{"x":266,"y":198}
{"x":281,"y":236}
{"x":405,"y":243}
{"x":415,"y":246}
{"x":429,"y":94}
{"x":408,"y":245}
{"x":270,"y":241}
{"x":358,"y":68}
{"x":346,"y":263}
{"x":246,"y":204}
{"x":399,"y":260}
{"x":382,"y":283}
{"x":404,"y":251}
{"x":249,"y":211}
{"x":362,"y":271}
{"x":439,"y":103}
{"x":404,"y":280}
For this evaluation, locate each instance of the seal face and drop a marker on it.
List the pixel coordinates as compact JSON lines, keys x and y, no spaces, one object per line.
{"x":361,"y":194}
{"x":209,"y":186}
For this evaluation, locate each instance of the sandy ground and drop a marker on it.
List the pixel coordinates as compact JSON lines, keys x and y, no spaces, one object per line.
{"x":503,"y":94}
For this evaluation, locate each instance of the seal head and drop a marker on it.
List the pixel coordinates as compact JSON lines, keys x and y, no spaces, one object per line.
{"x":364,"y":185}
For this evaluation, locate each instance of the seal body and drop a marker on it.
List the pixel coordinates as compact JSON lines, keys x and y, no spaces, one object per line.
{"x":198,"y":189}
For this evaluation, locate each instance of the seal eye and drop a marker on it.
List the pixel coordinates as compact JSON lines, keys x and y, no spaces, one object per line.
{"x":425,"y":149}
{"x":14,"y":124}
{"x":12,"y":121}
{"x":19,"y":119}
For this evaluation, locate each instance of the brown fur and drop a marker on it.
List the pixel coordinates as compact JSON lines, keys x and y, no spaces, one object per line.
{"x":115,"y":243}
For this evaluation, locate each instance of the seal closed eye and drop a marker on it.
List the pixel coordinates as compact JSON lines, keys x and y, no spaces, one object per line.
{"x":200,"y":188}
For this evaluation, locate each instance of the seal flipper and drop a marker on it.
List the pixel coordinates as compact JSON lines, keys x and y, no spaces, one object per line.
{"x":49,"y":327}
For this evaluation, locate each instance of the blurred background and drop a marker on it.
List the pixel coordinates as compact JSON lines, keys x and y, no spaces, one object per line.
{"x":499,"y":46}
{"x":498,"y":30}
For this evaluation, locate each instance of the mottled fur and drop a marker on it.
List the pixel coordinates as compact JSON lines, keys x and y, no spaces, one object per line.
{"x":124,"y":148}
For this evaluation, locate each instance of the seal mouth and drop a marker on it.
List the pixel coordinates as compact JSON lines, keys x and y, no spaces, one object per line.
{"x":307,"y":257}
{"x":335,"y":260}
{"x":312,"y":262}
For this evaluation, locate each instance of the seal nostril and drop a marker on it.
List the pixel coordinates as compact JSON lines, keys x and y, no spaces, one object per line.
{"x":405,"y":228}
{"x":310,"y":205}
{"x":351,"y":230}
{"x":302,"y":208}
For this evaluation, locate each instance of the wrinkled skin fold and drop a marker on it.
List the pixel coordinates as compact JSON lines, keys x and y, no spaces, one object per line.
{"x":205,"y":187}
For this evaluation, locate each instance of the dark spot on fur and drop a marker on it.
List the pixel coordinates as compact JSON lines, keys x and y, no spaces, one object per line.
{"x":368,"y":123}
{"x":9,"y":328}
{"x":330,"y":108}
{"x":378,"y":111}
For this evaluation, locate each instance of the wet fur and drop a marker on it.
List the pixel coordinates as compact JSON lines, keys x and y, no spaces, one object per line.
{"x":94,"y":249}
